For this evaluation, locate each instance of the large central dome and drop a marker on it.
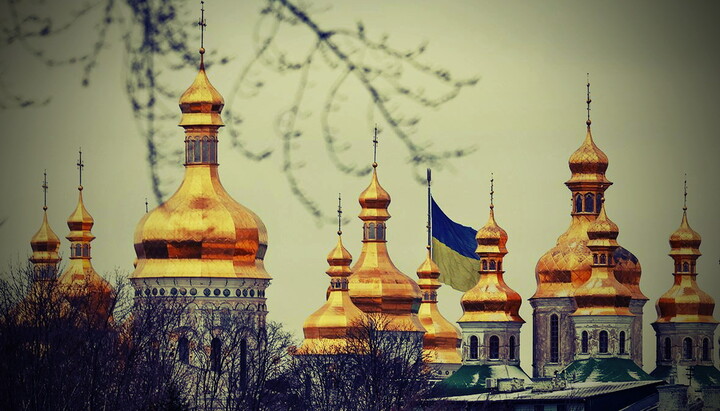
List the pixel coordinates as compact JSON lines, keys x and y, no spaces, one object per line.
{"x":200,"y":231}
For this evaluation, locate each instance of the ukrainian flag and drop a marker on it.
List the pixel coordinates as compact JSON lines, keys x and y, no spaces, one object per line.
{"x":454,"y":250}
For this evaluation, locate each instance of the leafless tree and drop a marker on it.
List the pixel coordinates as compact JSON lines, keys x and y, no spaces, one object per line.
{"x":399,"y":85}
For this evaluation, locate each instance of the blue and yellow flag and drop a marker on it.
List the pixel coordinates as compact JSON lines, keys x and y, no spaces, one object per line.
{"x":454,"y":251}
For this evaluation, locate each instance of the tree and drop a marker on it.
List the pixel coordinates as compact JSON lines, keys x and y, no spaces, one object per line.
{"x":397,"y":83}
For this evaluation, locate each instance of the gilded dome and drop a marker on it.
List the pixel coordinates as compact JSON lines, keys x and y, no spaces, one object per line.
{"x":200,"y":231}
{"x":685,"y":302}
{"x":685,"y":240}
{"x":588,"y":163}
{"x":201,"y":104}
{"x":328,"y":330}
{"x":45,"y":244}
{"x":491,"y":299}
{"x":441,"y":339}
{"x":602,"y":293}
{"x":374,"y":200}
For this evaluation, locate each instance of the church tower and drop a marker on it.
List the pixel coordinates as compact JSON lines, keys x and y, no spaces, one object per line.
{"x":377,"y":287}
{"x":567,"y":266}
{"x":327,"y":330}
{"x":685,"y":326}
{"x":45,"y":245}
{"x":200,"y":243}
{"x":83,"y":286}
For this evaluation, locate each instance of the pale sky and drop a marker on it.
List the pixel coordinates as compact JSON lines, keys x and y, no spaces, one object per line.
{"x":653,"y":68}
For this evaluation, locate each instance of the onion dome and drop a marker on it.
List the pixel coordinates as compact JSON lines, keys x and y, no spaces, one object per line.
{"x":200,"y":231}
{"x":602,"y":293}
{"x":45,"y":245}
{"x":588,"y":163}
{"x":685,"y":302}
{"x":327,"y":330}
{"x":491,"y":299}
{"x":85,"y":288}
{"x":376,"y":285}
{"x":442,"y":338}
{"x":201,"y":104}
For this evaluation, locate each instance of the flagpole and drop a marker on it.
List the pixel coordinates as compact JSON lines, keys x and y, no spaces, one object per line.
{"x":429,"y":213}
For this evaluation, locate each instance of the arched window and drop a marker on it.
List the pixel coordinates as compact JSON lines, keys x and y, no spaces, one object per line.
{"x":371,"y":231}
{"x":184,"y":350}
{"x":78,"y":250}
{"x":197,"y":155}
{"x":688,"y":348}
{"x":554,"y":338}
{"x":189,"y":148}
{"x":492,"y":265}
{"x":484,"y":265}
{"x":706,"y":350}
{"x":603,"y":340}
{"x":578,"y":203}
{"x":667,"y":348}
{"x":473,"y":348}
{"x":86,"y":250}
{"x":215,"y":355}
{"x":686,"y":267}
{"x":511,"y":347}
{"x":381,"y":231}
{"x":595,"y":259}
{"x":494,"y":347}
{"x":598,"y":202}
{"x":621,"y":342}
{"x":603,"y":259}
{"x":205,"y":149}
{"x":584,"y":340}
{"x":589,"y":203}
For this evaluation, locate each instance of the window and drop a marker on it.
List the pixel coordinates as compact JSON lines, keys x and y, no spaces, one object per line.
{"x":598,"y":202}
{"x":184,"y":350}
{"x":205,"y":147}
{"x":473,"y":348}
{"x":86,"y":250}
{"x":554,"y":338}
{"x":603,"y":259}
{"x":686,"y":267}
{"x":603,"y":337}
{"x":484,"y":265}
{"x":492,"y":265}
{"x":595,"y":259}
{"x":494,"y":347}
{"x":667,"y":349}
{"x":512,"y":347}
{"x":706,"y":350}
{"x":78,"y":250}
{"x":578,"y":203}
{"x":371,"y":231}
{"x":589,"y":203}
{"x":215,"y":355}
{"x":584,"y":342}
{"x":189,"y":148}
{"x":688,"y":348}
{"x":622,"y":342}
{"x":381,"y":231}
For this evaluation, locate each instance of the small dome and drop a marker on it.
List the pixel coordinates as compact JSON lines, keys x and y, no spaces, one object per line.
{"x":491,"y":238}
{"x":628,"y":271}
{"x":201,"y":104}
{"x":685,"y":302}
{"x":588,"y":163}
{"x":45,"y":243}
{"x":374,"y":200}
{"x":685,"y":240}
{"x":80,"y":219}
{"x":339,"y":257}
{"x":603,"y":230}
{"x":491,"y":300}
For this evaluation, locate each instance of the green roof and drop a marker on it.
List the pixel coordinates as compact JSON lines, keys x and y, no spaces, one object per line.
{"x":470,"y":379}
{"x":703,"y":375}
{"x":605,"y":370}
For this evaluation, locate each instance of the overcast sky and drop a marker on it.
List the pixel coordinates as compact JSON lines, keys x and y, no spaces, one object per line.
{"x":654,"y":74}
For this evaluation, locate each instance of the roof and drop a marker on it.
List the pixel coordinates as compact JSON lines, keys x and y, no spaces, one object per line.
{"x":606,"y":370}
{"x":702,"y":375}
{"x":470,"y":379}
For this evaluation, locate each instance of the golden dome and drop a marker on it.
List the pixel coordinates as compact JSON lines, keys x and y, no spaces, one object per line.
{"x":201,"y":104}
{"x":602,"y":293}
{"x":200,"y":231}
{"x":376,"y":285}
{"x":442,"y":338}
{"x":374,"y":200}
{"x":491,"y":299}
{"x":685,"y":302}
{"x":327,"y":329}
{"x":685,"y":240}
{"x":588,"y":163}
{"x":80,"y":221}
{"x":45,"y":244}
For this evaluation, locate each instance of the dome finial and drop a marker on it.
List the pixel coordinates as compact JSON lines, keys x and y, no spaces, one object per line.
{"x":339,"y":211}
{"x":588,"y":122}
{"x":375,"y":143}
{"x":429,"y":211}
{"x":80,"y":166}
{"x":45,"y":188}
{"x":492,"y":190}
{"x":685,"y":195}
{"x":146,"y":205}
{"x":202,"y":23}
